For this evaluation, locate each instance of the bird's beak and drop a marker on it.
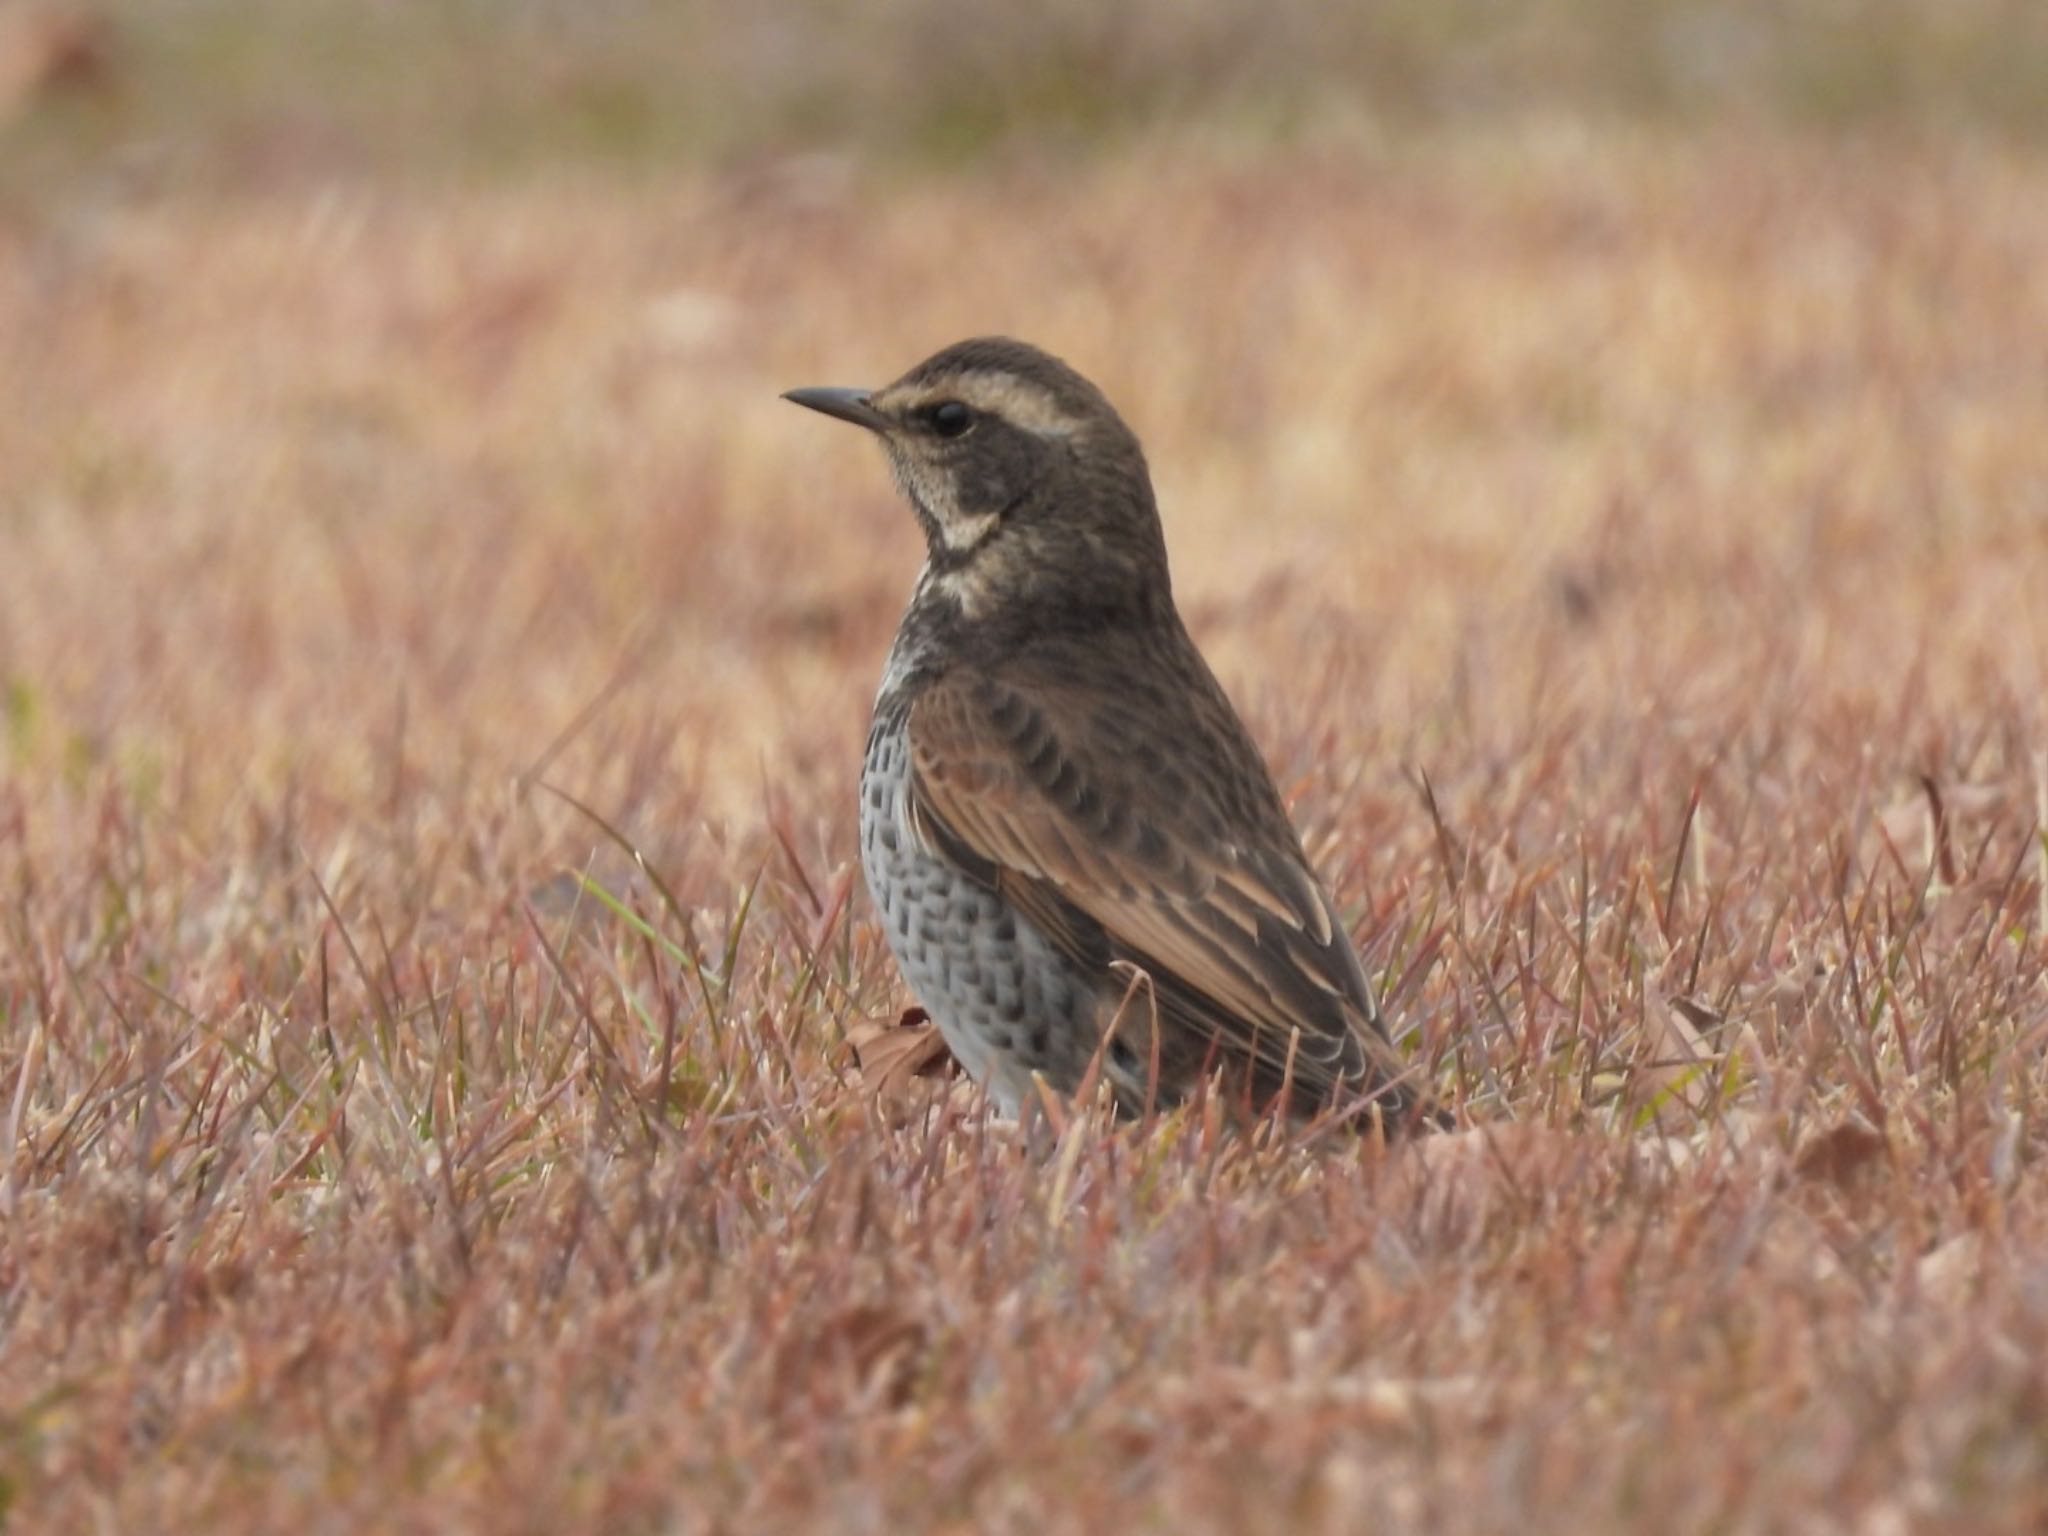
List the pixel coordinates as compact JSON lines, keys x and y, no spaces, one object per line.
{"x":847,"y":404}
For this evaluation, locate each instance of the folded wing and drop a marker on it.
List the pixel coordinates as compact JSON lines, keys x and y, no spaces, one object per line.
{"x":1115,"y":842}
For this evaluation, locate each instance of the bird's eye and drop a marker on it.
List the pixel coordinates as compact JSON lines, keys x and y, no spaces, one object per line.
{"x":949,"y":418}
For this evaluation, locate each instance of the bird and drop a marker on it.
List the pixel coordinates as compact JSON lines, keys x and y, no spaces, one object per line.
{"x":1077,"y":852}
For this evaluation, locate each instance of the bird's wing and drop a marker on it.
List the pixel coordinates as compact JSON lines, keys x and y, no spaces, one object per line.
{"x":1104,"y":829}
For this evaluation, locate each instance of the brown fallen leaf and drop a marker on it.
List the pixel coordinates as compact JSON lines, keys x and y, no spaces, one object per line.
{"x":1676,"y":1059}
{"x":895,"y":1055}
{"x":1697,"y":1013}
{"x":47,"y":49}
{"x":1840,"y":1153}
{"x":871,"y":1352}
{"x":1948,"y":1274}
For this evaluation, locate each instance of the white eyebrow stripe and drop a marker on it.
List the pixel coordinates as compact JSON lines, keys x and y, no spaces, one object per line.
{"x":1017,"y":401}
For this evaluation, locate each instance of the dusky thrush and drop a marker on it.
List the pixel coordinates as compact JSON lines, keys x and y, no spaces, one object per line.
{"x":1075,"y":847}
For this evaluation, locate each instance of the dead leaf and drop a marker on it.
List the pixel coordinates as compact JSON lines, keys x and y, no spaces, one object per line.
{"x":872,"y":1351}
{"x":50,"y":48}
{"x":1698,"y":1014}
{"x":896,"y":1055}
{"x":1839,"y":1154}
{"x":1947,"y":1273}
{"x":1679,"y":1064}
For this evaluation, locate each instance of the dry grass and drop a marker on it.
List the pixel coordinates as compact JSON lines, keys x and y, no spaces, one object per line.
{"x":1680,"y":511}
{"x":250,"y":90}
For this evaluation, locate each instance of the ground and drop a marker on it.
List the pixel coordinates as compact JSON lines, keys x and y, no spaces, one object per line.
{"x":433,"y":673}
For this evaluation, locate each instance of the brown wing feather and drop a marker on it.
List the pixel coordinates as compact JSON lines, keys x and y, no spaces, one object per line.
{"x":1118,"y":848}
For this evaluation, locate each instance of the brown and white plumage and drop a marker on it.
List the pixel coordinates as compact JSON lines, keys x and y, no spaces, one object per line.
{"x":1058,"y":796}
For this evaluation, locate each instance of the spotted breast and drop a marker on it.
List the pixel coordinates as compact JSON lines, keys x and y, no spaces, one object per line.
{"x":1006,"y":1000}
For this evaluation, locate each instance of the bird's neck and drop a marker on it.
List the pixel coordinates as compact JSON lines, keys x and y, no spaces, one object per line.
{"x":948,"y":623}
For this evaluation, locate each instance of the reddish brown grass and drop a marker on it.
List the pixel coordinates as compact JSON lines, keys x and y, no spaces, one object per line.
{"x":386,"y":1148}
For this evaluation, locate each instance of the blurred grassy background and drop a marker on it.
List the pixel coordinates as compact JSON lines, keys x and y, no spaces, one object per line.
{"x":1431,"y":280}
{"x":235,"y":90}
{"x":1629,"y":416}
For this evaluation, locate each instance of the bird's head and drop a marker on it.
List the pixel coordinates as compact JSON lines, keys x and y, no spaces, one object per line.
{"x":1030,"y":489}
